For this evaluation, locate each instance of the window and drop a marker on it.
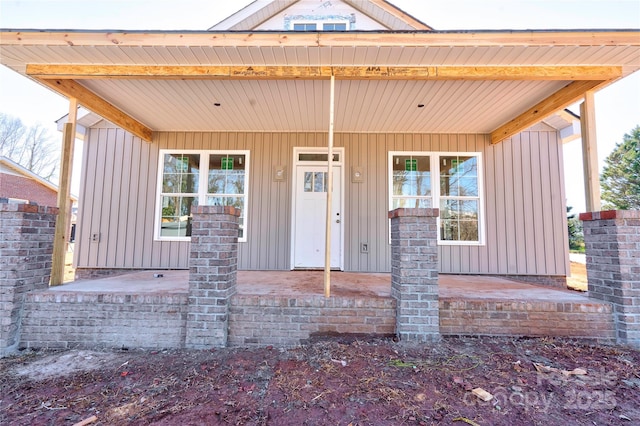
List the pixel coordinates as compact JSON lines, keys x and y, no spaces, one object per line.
{"x":315,"y":181}
{"x":342,"y":26}
{"x":459,"y":199}
{"x":191,"y":178}
{"x":318,"y":23}
{"x":411,"y":181}
{"x":304,"y":27}
{"x":449,"y":181}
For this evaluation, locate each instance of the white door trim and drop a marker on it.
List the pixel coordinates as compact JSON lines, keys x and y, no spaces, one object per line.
{"x":294,"y":188}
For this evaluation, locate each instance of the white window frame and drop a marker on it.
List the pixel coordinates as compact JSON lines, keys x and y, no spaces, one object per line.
{"x":320,"y":23}
{"x":202,"y":187}
{"x":434,"y":159}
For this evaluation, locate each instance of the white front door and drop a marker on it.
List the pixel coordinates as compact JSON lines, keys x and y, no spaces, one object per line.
{"x":311,"y":214}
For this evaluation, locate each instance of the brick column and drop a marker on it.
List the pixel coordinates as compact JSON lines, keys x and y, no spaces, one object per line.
{"x":414,"y":273}
{"x":26,"y":245}
{"x":612,"y":240}
{"x":213,"y":269}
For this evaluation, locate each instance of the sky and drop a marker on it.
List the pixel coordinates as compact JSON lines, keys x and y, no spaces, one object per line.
{"x":617,"y":106}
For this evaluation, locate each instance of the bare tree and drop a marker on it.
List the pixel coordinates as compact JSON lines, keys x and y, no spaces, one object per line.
{"x":31,"y":147}
{"x":11,"y":132}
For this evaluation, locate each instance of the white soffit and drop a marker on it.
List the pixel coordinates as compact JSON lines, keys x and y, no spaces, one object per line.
{"x":302,"y":105}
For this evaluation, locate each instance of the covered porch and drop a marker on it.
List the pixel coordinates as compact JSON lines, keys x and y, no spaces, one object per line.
{"x":286,"y":308}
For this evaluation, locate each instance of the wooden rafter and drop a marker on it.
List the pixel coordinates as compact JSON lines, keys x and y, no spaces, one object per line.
{"x":95,"y":103}
{"x":564,"y":97}
{"x":76,"y":71}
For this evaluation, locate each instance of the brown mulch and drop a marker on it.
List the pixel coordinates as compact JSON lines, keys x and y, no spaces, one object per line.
{"x":342,"y":381}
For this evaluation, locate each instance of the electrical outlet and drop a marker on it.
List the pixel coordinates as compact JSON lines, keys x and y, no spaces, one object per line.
{"x":364,"y":248}
{"x":95,"y":238}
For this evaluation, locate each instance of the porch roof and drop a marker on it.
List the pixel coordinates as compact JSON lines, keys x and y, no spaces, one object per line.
{"x":496,"y":82}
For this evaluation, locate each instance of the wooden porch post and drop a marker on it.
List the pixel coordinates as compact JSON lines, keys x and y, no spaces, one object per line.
{"x":327,"y":249}
{"x":63,"y":221}
{"x":590,"y":153}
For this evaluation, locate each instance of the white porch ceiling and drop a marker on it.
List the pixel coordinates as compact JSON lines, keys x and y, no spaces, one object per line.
{"x":303,"y":105}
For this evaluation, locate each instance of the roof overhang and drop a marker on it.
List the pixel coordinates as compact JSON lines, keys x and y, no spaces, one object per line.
{"x":495,"y":82}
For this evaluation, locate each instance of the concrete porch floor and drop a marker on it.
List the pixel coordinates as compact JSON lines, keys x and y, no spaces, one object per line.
{"x":343,"y":284}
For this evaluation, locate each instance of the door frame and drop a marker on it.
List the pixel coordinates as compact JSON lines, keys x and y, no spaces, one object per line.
{"x":294,"y":191}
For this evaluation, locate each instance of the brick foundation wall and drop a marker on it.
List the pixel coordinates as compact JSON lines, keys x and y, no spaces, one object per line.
{"x":612,"y":242}
{"x":288,"y":321}
{"x":414,"y":273}
{"x":592,"y":321}
{"x":26,"y":245}
{"x":64,"y":320}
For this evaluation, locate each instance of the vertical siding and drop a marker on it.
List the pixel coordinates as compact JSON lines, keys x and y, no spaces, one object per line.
{"x":525,"y":223}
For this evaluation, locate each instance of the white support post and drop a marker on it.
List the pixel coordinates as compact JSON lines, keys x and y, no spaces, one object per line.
{"x":327,"y":249}
{"x":63,"y":221}
{"x":590,"y":153}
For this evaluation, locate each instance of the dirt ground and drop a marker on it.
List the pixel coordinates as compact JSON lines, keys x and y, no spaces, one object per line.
{"x":338,"y":381}
{"x":578,"y":278}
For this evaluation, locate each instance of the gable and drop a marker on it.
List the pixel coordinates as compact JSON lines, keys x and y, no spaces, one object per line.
{"x":321,"y":12}
{"x":357,"y":15}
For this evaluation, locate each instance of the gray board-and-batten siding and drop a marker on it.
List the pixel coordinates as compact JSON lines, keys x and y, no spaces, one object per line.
{"x":525,"y":214}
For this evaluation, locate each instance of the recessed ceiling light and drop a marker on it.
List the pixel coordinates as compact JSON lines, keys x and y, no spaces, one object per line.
{"x":216,"y":104}
{"x":420,"y":105}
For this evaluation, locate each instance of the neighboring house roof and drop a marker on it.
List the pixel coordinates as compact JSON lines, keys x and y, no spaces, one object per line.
{"x":9,"y":167}
{"x":422,"y":81}
{"x":254,"y":14}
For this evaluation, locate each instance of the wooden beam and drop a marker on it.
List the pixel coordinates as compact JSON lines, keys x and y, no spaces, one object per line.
{"x":61,"y":233}
{"x":173,"y":72}
{"x":564,"y":97}
{"x":95,"y":103}
{"x":122,"y":39}
{"x":590,"y":153}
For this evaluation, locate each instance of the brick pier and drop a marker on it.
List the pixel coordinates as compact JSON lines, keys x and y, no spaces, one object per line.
{"x":612,"y":240}
{"x":213,"y":268}
{"x":414,"y":273}
{"x":26,"y":245}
